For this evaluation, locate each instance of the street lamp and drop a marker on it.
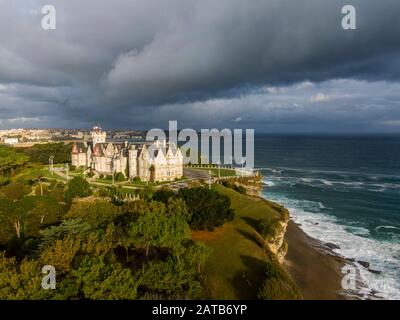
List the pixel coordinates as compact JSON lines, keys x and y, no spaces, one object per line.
{"x":67,"y":170}
{"x":51,"y":161}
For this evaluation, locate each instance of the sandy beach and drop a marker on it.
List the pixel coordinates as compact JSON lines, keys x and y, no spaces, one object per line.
{"x":315,"y":270}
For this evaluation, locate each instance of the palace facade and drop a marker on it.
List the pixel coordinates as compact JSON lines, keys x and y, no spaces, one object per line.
{"x":159,"y":161}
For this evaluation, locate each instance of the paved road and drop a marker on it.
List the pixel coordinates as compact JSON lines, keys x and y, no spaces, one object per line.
{"x":196,"y":173}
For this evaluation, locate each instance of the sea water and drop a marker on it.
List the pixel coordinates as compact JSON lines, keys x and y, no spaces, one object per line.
{"x":344,"y":190}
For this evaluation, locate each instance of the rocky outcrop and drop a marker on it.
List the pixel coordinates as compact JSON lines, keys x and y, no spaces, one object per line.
{"x":252,"y":185}
{"x":277,"y":244}
{"x":365,"y":264}
{"x":252,"y":190}
{"x":331,"y":246}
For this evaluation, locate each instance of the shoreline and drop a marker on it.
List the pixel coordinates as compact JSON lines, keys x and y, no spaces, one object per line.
{"x":316,"y":271}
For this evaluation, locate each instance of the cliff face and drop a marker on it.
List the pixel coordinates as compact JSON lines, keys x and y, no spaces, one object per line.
{"x":277,"y":244}
{"x":271,"y":234}
{"x":253,"y":187}
{"x":252,"y":190}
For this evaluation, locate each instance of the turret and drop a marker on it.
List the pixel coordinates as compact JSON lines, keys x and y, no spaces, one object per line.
{"x":98,"y":136}
{"x":132,"y":162}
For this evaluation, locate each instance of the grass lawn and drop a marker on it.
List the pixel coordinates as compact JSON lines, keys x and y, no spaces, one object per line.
{"x":214,"y":171}
{"x":34,"y":171}
{"x":28,"y":173}
{"x":236,"y":265}
{"x":55,"y":176}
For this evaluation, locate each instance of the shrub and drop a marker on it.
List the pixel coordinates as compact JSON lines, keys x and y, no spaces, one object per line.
{"x":230,"y":184}
{"x":278,"y":285}
{"x":90,"y":174}
{"x":163,"y":194}
{"x":269,"y":229}
{"x":227,"y":184}
{"x":240,"y":189}
{"x":120,"y":177}
{"x":4,"y":181}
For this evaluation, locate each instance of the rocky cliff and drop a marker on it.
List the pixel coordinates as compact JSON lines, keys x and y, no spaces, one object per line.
{"x":277,"y":244}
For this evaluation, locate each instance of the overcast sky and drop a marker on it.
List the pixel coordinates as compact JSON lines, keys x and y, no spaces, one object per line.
{"x":271,"y":65}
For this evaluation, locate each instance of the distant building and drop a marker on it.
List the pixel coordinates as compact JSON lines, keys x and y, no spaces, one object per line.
{"x":161,"y":159}
{"x":77,"y":135}
{"x":11,"y":141}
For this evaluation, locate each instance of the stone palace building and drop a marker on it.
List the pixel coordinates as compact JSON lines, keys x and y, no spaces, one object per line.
{"x":159,"y":160}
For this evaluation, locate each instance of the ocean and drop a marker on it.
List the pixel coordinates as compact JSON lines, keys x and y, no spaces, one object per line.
{"x":344,"y":190}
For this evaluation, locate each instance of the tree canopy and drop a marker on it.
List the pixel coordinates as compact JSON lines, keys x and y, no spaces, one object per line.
{"x":41,"y":153}
{"x":207,"y":208}
{"x":78,"y":187}
{"x":10,"y":160}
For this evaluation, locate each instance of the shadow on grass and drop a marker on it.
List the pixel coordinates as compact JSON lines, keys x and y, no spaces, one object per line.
{"x":246,"y":283}
{"x":248,"y":235}
{"x":254,"y":223}
{"x":254,"y":237}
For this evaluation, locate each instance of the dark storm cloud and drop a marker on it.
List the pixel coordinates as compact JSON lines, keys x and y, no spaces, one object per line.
{"x":130,"y":63}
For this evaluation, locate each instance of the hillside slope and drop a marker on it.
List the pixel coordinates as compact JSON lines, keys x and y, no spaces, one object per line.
{"x":238,"y":261}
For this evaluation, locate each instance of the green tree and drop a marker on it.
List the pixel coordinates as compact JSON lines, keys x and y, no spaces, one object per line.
{"x":20,"y":281}
{"x":16,"y":191}
{"x":46,"y":210}
{"x":163,"y":194}
{"x":9,"y":226}
{"x":10,"y":160}
{"x":152,"y":173}
{"x":177,"y":206}
{"x":41,"y":153}
{"x":158,"y":230}
{"x":77,"y":187}
{"x":170,"y":279}
{"x":100,"y":242}
{"x":57,"y":192}
{"x":41,"y":189}
{"x":146,"y":193}
{"x":70,"y":227}
{"x":4,"y":181}
{"x":61,"y":254}
{"x":105,"y":280}
{"x":207,"y":208}
{"x":95,"y":213}
{"x":196,"y":255}
{"x":28,"y":215}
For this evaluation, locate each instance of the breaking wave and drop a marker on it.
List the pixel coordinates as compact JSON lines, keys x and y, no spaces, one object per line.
{"x":354,"y":242}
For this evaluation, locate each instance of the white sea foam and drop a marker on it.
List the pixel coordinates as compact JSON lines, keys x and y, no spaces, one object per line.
{"x":343,"y":174}
{"x":268,"y":183}
{"x":354,"y":242}
{"x":334,"y":184}
{"x":387,"y":228}
{"x":327,"y":182}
